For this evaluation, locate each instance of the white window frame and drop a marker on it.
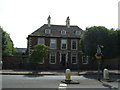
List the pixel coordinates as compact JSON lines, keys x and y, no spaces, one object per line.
{"x":50,"y":58}
{"x":77,"y":32}
{"x":43,"y":41}
{"x":72,"y":44}
{"x":55,"y":44}
{"x":76,"y":58}
{"x":64,"y":43}
{"x":63,"y":32}
{"x":86,"y":57}
{"x":47,"y":31}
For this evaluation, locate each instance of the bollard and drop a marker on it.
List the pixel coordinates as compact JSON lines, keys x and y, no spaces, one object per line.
{"x":68,"y":78}
{"x":68,"y":75}
{"x":106,"y":74}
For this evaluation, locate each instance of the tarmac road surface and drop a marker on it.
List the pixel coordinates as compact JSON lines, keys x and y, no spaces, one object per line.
{"x":44,"y":81}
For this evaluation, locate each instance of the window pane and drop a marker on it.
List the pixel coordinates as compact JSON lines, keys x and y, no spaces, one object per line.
{"x":64,"y":44}
{"x":74,"y":58}
{"x":41,"y":41}
{"x":52,"y":58}
{"x":77,"y":32}
{"x":47,"y":31}
{"x":63,"y":32}
{"x":53,"y":43}
{"x":64,"y":41}
{"x":74,"y":44}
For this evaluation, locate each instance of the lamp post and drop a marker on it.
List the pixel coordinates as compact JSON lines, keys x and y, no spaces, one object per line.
{"x":98,"y":56}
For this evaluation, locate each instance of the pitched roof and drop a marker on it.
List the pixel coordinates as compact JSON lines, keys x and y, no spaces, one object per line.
{"x":56,"y":31}
{"x":22,"y":50}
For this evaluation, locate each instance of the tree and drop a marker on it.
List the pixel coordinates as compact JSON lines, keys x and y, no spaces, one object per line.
{"x":99,"y":35}
{"x":39,"y":53}
{"x":118,"y":40}
{"x":112,"y":50}
{"x":7,"y":44}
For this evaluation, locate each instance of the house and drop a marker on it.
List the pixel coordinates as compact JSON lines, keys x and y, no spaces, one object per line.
{"x":64,"y":45}
{"x":20,"y":51}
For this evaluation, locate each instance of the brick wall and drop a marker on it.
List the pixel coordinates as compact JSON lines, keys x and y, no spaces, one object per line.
{"x":18,"y":62}
{"x":14,"y":62}
{"x":112,"y":63}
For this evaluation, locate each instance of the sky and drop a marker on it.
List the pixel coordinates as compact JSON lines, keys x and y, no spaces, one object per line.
{"x":20,"y":18}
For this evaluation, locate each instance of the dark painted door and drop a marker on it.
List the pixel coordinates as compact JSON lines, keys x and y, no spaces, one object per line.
{"x":63,"y":59}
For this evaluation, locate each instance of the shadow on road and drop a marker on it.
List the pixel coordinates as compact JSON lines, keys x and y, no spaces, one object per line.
{"x":92,"y":75}
{"x":108,"y":86}
{"x":34,"y":74}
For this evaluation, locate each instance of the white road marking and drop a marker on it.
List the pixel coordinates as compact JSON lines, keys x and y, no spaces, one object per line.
{"x":62,"y":87}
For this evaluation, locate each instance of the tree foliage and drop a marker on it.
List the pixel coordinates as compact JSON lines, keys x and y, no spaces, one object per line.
{"x":39,"y":53}
{"x":99,"y":35}
{"x":7,"y":44}
{"x":118,"y":34}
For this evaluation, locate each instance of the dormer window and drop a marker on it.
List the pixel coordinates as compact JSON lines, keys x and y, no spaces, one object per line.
{"x":77,"y":33}
{"x":63,"y":32}
{"x":47,"y":31}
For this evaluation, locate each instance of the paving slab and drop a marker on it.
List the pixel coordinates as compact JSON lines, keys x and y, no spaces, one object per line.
{"x":59,"y":72}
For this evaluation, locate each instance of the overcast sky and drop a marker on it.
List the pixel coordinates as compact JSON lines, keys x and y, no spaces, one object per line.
{"x":21,"y":17}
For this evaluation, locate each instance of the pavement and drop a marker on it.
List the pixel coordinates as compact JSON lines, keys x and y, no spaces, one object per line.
{"x":55,"y":72}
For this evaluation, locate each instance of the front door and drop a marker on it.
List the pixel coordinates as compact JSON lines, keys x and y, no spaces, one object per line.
{"x":64,"y":59}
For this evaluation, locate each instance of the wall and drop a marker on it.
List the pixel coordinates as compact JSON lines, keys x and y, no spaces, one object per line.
{"x":112,"y":63}
{"x":14,"y":62}
{"x":19,"y":62}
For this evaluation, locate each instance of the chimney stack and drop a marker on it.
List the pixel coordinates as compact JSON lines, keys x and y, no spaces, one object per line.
{"x":49,"y":20}
{"x":68,"y":22}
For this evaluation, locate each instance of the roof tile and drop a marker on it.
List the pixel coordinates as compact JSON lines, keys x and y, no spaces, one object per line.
{"x":56,"y":31}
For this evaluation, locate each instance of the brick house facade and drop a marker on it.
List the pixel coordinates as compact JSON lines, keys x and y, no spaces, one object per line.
{"x":64,"y":45}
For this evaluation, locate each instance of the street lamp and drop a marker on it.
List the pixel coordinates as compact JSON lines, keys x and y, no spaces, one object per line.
{"x":98,"y":56}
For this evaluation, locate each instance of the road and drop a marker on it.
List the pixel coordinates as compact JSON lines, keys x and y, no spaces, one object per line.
{"x":32,"y":81}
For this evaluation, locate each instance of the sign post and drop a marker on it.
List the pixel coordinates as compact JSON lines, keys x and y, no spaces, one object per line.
{"x":98,"y":56}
